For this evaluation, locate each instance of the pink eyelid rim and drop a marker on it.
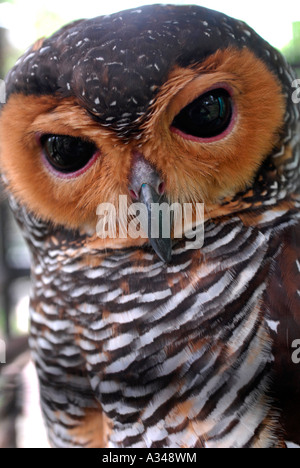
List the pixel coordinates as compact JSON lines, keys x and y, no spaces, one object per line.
{"x":222,"y":135}
{"x":60,"y":175}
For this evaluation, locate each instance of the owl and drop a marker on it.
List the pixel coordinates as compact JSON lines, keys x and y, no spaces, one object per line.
{"x":146,"y":342}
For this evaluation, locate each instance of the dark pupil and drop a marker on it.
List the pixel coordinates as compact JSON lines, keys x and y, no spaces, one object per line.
{"x":67,"y":154}
{"x":207,"y":116}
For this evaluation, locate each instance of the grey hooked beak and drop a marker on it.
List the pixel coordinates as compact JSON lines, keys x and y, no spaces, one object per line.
{"x":147,"y":187}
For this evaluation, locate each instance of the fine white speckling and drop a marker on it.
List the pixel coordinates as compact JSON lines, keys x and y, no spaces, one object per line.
{"x":97,"y":101}
{"x":110,"y":64}
{"x":123,"y":122}
{"x":74,"y":33}
{"x":273,"y":325}
{"x":29,"y":57}
{"x":44,"y":49}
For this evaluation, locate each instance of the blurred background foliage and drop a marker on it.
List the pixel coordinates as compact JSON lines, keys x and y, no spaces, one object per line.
{"x":292,"y":50}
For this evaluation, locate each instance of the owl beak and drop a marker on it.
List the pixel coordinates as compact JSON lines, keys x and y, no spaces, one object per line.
{"x":147,"y":187}
{"x":159,"y":228}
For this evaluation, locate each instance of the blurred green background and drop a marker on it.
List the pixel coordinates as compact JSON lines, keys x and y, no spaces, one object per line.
{"x":292,"y":49}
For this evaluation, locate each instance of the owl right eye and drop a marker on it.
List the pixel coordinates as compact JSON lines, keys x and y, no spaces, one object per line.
{"x":68,"y":155}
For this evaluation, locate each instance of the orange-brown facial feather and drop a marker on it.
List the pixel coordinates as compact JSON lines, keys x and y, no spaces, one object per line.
{"x":192,"y":171}
{"x":210,"y":171}
{"x":69,"y":202}
{"x":38,"y":44}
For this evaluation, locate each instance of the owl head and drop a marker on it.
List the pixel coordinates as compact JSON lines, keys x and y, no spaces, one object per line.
{"x":174,"y":103}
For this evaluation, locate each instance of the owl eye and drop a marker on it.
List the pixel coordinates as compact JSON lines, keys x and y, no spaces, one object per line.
{"x":66,"y":154}
{"x":206,"y":117}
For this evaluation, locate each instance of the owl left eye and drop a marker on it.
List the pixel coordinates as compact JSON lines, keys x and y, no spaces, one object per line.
{"x":207,"y":117}
{"x":66,"y":154}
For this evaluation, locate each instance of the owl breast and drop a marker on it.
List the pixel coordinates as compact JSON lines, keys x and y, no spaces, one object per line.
{"x":186,"y":344}
{"x":151,"y":343}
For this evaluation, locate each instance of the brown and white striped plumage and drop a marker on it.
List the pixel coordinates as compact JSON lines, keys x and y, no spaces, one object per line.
{"x":131,"y":351}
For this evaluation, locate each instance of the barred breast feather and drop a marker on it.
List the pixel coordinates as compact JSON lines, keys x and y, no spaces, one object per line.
{"x":148,"y":343}
{"x":160,"y":356}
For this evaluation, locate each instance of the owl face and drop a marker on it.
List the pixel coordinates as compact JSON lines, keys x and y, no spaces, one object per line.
{"x":183,"y":99}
